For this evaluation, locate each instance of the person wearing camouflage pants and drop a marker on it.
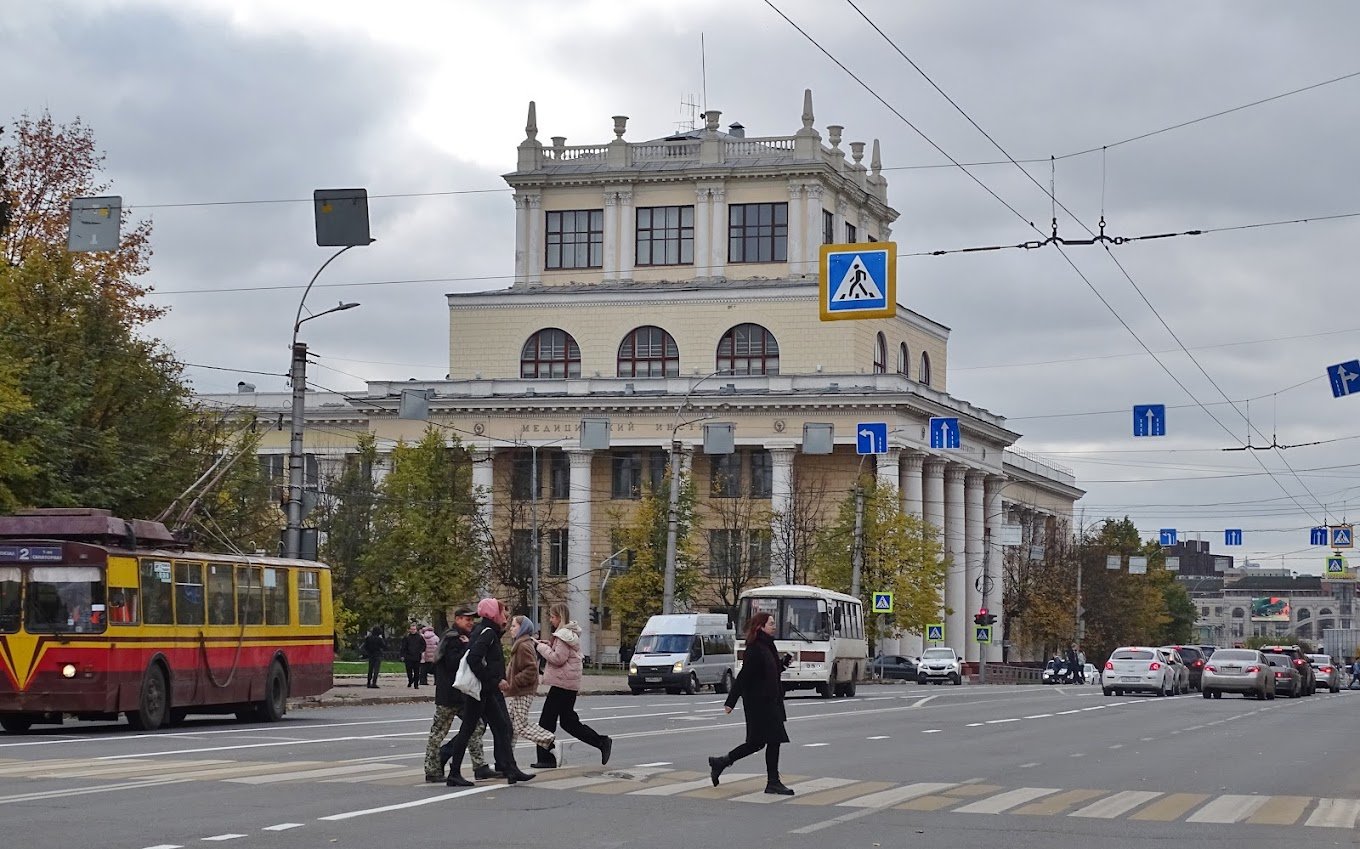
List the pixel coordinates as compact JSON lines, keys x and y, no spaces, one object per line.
{"x":449,"y":703}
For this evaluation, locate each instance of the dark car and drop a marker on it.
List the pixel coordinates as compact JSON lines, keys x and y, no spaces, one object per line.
{"x":889,"y":666}
{"x":1307,"y":677}
{"x":1194,"y":661}
{"x":1289,"y":679}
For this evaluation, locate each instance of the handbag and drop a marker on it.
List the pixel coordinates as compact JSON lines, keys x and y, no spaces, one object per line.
{"x":469,"y":684}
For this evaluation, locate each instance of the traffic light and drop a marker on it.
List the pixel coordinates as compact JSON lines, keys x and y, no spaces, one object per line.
{"x":991,"y":619}
{"x":980,"y":618}
{"x":594,"y":615}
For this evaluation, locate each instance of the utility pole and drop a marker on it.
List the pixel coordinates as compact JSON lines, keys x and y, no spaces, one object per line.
{"x":297,"y":373}
{"x":533,"y":534}
{"x":857,"y":555}
{"x":672,"y":526}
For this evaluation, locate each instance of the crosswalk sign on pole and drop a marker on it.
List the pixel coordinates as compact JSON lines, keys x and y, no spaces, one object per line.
{"x":1336,"y":565}
{"x":935,"y":632}
{"x":982,"y":633}
{"x":1343,"y":536}
{"x":858,"y":281}
{"x":883,"y":602}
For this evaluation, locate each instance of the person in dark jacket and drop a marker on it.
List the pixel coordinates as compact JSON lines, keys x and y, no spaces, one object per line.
{"x":412,"y":647}
{"x":1074,"y":665}
{"x":372,"y":649}
{"x":448,"y":701}
{"x":761,"y":691}
{"x":486,"y":661}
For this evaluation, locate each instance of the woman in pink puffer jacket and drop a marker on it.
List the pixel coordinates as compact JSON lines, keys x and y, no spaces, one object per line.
{"x":562,"y":674}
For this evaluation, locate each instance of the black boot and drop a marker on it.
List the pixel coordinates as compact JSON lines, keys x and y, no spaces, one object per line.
{"x":515,"y":775}
{"x":606,"y":748}
{"x":546,"y":759}
{"x":716,"y":767}
{"x":456,"y":780}
{"x":777,"y":788}
{"x":485,"y":772}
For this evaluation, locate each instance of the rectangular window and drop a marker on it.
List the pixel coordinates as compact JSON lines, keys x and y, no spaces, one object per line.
{"x":762,"y":473}
{"x":276,"y":597}
{"x":557,"y":552}
{"x":575,"y":239}
{"x":726,"y":477}
{"x":124,"y":606}
{"x":522,"y":476}
{"x":221,"y":596}
{"x":758,"y":232}
{"x":623,"y":560}
{"x":309,"y":597}
{"x":724,"y":553}
{"x":828,"y":228}
{"x":64,"y":599}
{"x":274,"y":468}
{"x":522,"y":554}
{"x":559,"y":475}
{"x":635,"y":469}
{"x":9,"y":599}
{"x":665,"y":235}
{"x":157,"y":592}
{"x":758,"y":552}
{"x":189,"y":598}
{"x":250,"y":594}
{"x":851,"y":233}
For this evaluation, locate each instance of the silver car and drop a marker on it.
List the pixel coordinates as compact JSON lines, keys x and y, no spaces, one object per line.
{"x":1244,"y":671}
{"x":1328,"y":673}
{"x":1133,"y":669}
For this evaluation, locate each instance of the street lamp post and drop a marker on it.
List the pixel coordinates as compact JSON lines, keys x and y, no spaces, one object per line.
{"x":297,"y":373}
{"x":673,"y":511}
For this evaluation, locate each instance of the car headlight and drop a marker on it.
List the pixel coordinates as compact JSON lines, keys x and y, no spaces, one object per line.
{"x":679,"y":666}
{"x":632,"y":669}
{"x":68,"y":671}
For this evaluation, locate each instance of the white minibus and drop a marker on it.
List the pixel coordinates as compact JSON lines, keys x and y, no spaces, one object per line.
{"x":822,"y":629}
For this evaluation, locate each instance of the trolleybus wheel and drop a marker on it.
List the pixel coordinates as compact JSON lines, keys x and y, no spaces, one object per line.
{"x":275,"y":702}
{"x":17,"y":723}
{"x":153,"y":704}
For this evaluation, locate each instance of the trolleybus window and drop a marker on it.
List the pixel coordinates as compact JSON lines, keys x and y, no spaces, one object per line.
{"x":65,"y":598}
{"x":157,"y":592}
{"x":123,"y":606}
{"x":309,"y":597}
{"x":9,"y":599}
{"x":221,"y":596}
{"x":276,"y":597}
{"x":189,"y":593}
{"x":249,"y":600}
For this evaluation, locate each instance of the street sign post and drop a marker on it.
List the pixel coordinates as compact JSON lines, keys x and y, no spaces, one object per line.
{"x":858,"y":281}
{"x":1168,"y":536}
{"x":1343,"y":536}
{"x":982,"y":633}
{"x":871,"y":438}
{"x":1336,"y":565}
{"x":1149,"y":420}
{"x":1344,"y":378}
{"x":944,"y":432}
{"x":935,"y":632}
{"x":1232,"y":536}
{"x":1318,"y":536}
{"x":95,"y":224}
{"x":883,"y":602}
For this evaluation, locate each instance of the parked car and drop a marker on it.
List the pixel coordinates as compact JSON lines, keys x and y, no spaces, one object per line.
{"x":1092,"y":674}
{"x":1194,"y":662}
{"x":889,"y":666}
{"x":1133,"y":669}
{"x":1301,"y":665}
{"x":1326,"y":672}
{"x":1289,"y":681}
{"x":1056,"y":671}
{"x":939,"y":665}
{"x":1244,"y":671}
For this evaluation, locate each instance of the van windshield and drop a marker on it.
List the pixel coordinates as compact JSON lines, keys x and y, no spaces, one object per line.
{"x":663,"y":644}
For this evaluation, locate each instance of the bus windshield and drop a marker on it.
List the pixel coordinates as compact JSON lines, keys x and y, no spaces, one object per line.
{"x":796,"y":618}
{"x":663,"y":644}
{"x":65,"y":598}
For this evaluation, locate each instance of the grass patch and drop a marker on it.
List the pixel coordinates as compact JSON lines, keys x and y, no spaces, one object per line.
{"x":360,"y":667}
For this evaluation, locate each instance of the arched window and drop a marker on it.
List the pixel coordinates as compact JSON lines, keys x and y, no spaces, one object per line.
{"x":649,"y":352}
{"x":880,"y":354}
{"x":550,"y":353}
{"x":903,"y":358}
{"x":748,"y":349}
{"x":923,"y":375}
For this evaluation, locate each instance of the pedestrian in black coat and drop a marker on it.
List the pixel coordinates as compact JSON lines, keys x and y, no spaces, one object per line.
{"x":761,"y":690}
{"x":412,"y":647}
{"x":372,"y":649}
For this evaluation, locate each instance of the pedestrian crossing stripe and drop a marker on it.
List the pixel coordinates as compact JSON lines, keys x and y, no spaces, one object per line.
{"x":858,"y":281}
{"x":1143,"y":805}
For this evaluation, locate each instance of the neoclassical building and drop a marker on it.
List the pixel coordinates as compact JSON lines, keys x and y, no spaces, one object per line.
{"x":667,"y":284}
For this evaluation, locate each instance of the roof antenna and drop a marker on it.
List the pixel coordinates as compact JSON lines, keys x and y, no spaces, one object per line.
{"x":691,"y":123}
{"x":703,"y":69}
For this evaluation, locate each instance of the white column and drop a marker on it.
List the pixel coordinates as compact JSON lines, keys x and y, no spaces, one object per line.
{"x":718,"y":211}
{"x":580,"y":564}
{"x":812,"y":229}
{"x":933,"y":507}
{"x":535,"y":249}
{"x":797,"y":215}
{"x":973,"y":519}
{"x":993,"y":562}
{"x":890,"y":471}
{"x":911,"y":484}
{"x":521,"y":240}
{"x":482,"y":480}
{"x":955,"y":594}
{"x":842,"y":208}
{"x":703,"y":234}
{"x":781,"y":501}
{"x":610,"y":269}
{"x":627,"y":227}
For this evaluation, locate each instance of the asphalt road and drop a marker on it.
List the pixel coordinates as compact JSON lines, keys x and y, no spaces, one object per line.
{"x":900,"y":765}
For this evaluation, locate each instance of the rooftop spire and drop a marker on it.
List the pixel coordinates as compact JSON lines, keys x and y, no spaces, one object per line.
{"x":531,"y":123}
{"x":807,"y":109}
{"x":875,"y":161}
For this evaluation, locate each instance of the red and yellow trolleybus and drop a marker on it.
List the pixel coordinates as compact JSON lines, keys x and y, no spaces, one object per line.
{"x":101,"y":616}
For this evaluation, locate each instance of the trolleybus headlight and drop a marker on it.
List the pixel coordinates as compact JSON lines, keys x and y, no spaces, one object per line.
{"x":68,"y":671}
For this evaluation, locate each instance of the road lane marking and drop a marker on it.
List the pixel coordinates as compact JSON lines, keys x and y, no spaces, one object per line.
{"x":1029,"y":765}
{"x":654,"y":763}
{"x":1039,"y":716}
{"x":217,"y":838}
{"x":685,"y":786}
{"x":416,"y":804}
{"x":1335,"y":813}
{"x":1053,"y":805}
{"x":1003,"y":802}
{"x":1116,"y":805}
{"x":931,"y":730}
{"x":1228,"y":808}
{"x":879,"y":737}
{"x":307,"y":774}
{"x":166,"y":846}
{"x":1117,"y":746}
{"x":974,"y":725}
{"x":1000,"y":721}
{"x":1281,"y":810}
{"x":890,"y":794}
{"x":838,"y":794}
{"x":895,"y":795}
{"x":1170,"y":808}
{"x":814,"y":745}
{"x":283,"y":826}
{"x":574,"y":782}
{"x":85,"y":791}
{"x":799,"y":788}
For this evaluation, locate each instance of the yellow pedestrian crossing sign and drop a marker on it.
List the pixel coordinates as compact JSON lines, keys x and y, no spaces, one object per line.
{"x":883,"y":602}
{"x":858,"y":281}
{"x":935,"y":632}
{"x":1336,"y":565}
{"x":982,"y":633}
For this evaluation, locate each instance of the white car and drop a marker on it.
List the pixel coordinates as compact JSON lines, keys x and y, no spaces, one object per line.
{"x":939,"y":665}
{"x":1134,"y":669}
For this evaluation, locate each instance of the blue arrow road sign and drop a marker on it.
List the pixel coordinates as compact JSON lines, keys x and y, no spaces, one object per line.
{"x":1168,"y":536}
{"x":1345,"y":378}
{"x":1232,"y":536}
{"x":935,"y":633}
{"x":944,"y":432}
{"x":1318,"y":536}
{"x":1149,"y":420}
{"x":871,"y":438}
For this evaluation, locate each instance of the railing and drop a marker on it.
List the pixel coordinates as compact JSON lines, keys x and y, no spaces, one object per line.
{"x":1003,"y":673}
{"x":580,"y":151}
{"x":661,"y":151}
{"x":761,"y":146}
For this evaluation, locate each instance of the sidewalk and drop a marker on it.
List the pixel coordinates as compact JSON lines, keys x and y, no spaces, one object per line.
{"x":392,"y":689}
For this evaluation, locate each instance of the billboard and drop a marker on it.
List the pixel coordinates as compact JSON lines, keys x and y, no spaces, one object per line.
{"x":1270,"y":609}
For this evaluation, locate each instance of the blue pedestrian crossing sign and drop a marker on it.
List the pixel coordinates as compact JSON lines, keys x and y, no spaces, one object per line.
{"x":883,"y":602}
{"x":1345,"y":378}
{"x":1343,"y":536}
{"x":1149,"y":420}
{"x":871,"y":438}
{"x":1336,"y":565}
{"x":1168,"y":536}
{"x":1318,"y":536}
{"x":935,"y":632}
{"x":944,"y":432}
{"x":982,"y":633}
{"x":858,"y":281}
{"x":1232,"y":536}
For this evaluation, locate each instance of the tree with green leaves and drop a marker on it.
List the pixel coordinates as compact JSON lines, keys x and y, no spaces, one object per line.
{"x":345,"y":524}
{"x":901,"y":555}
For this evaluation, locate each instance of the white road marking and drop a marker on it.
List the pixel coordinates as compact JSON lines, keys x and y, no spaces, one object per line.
{"x":1039,"y":716}
{"x":895,"y":795}
{"x":1116,"y":805}
{"x":1029,"y":765}
{"x":1077,"y":755}
{"x":655,"y":763}
{"x":923,"y":700}
{"x":1066,"y":712}
{"x":85,"y":791}
{"x":814,"y":745}
{"x":1335,"y":813}
{"x":217,"y":838}
{"x":1002,"y":802}
{"x":878,"y":737}
{"x":1001,"y":721}
{"x":416,"y":804}
{"x":326,"y":772}
{"x":1228,"y":808}
{"x":1117,"y":746}
{"x":166,"y":846}
{"x":574,"y":782}
{"x":686,"y":786}
{"x":974,"y":725}
{"x":283,"y":826}
{"x":932,"y":731}
{"x":760,"y":797}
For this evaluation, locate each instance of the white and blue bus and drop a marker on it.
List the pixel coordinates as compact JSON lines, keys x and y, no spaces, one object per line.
{"x":822,"y":629}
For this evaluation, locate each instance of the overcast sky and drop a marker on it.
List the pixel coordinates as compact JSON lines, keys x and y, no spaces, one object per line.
{"x":219,"y":118}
